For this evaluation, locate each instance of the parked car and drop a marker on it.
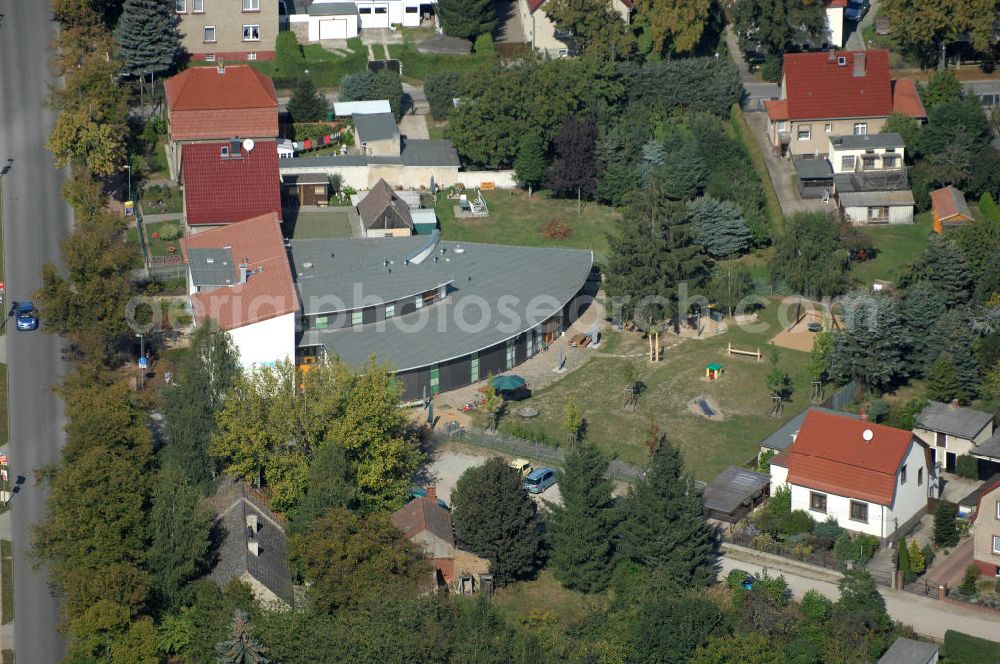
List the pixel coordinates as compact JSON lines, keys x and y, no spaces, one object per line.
{"x":540,"y":479}
{"x":522,"y":466}
{"x":856,"y":10}
{"x":25,"y":316}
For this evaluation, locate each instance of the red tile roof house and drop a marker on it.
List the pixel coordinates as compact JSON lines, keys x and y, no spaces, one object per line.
{"x":835,"y":93}
{"x":239,"y":276}
{"x":217,"y":104}
{"x":428,"y":525}
{"x":225,"y":182}
{"x":986,"y":531}
{"x":871,"y":478}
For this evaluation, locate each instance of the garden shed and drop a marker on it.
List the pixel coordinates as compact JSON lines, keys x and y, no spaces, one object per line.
{"x":734,"y":493}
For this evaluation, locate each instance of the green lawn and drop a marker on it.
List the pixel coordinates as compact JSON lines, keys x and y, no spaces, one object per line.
{"x":161,"y":199}
{"x":157,"y":245}
{"x":543,"y":595}
{"x":708,"y":446}
{"x":325,"y":67}
{"x":418,"y":66}
{"x":157,"y":161}
{"x":961,"y":648}
{"x":331,"y":222}
{"x":897,"y":246}
{"x":7,"y":583}
{"x":517,"y":219}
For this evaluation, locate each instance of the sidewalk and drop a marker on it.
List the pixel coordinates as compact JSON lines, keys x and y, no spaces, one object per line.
{"x":929,"y":617}
{"x":6,"y":631}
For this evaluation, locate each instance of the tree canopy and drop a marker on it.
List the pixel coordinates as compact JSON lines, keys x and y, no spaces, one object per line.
{"x":148,"y":37}
{"x":466,"y":18}
{"x":810,"y":256}
{"x":719,"y":226}
{"x":872,"y":347}
{"x":307,"y":104}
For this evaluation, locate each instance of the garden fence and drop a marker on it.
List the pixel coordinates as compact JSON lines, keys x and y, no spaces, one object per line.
{"x":519,"y":447}
{"x":922,"y":587}
{"x":842,"y":397}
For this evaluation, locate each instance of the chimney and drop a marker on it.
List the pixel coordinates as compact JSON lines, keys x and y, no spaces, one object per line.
{"x":234,"y":147}
{"x":831,"y":55}
{"x":252,"y":524}
{"x":221,"y":68}
{"x":253,"y":547}
{"x":432,"y":493}
{"x":244,"y":273}
{"x":954,"y":404}
{"x":859,"y":65}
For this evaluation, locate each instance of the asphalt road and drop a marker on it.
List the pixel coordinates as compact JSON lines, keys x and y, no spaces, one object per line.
{"x":35,"y":221}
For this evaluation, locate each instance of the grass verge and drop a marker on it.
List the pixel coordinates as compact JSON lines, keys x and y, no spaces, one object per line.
{"x":516,"y":218}
{"x":961,"y":648}
{"x":6,"y":584}
{"x":745,"y":135}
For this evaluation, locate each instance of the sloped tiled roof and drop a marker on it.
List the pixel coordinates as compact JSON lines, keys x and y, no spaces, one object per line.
{"x":819,"y":87}
{"x":949,"y":202}
{"x":830,"y":454}
{"x":422,"y":514}
{"x":221,"y":190}
{"x":268,"y":292}
{"x":206,"y":104}
{"x":906,"y":99}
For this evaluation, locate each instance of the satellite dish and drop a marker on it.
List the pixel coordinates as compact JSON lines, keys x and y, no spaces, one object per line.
{"x":248,"y":144}
{"x":868,"y":435}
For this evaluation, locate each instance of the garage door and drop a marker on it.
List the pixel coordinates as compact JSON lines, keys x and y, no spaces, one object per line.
{"x":334,"y":28}
{"x":374,"y":15}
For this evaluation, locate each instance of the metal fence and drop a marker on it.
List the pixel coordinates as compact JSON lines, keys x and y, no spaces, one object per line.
{"x":922,"y":587}
{"x":505,"y":443}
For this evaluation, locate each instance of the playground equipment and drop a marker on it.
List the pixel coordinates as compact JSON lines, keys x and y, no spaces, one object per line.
{"x":730,"y":350}
{"x":824,"y":313}
{"x":713,"y":371}
{"x":705,"y":408}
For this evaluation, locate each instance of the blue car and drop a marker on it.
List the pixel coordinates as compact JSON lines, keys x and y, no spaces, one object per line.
{"x":856,"y":10}
{"x":25,"y":316}
{"x":540,"y":479}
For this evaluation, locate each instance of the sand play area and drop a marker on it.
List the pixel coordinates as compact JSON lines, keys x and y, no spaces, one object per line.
{"x":801,"y":334}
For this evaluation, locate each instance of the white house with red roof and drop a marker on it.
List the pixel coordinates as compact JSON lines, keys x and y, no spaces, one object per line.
{"x":871,"y":478}
{"x":836,"y":93}
{"x":541,"y":32}
{"x":239,"y":277}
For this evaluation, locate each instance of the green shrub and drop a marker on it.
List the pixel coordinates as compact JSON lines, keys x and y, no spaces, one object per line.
{"x":816,"y":607}
{"x":967,"y":466}
{"x":771,"y":69}
{"x":170,"y":233}
{"x":736,"y":577}
{"x":484,"y":45}
{"x":781,"y":501}
{"x":796,"y":522}
{"x":968,"y":585}
{"x":928,"y":552}
{"x":989,"y":207}
{"x":858,"y":548}
{"x":828,"y":529}
{"x":878,"y":410}
{"x":945,"y":529}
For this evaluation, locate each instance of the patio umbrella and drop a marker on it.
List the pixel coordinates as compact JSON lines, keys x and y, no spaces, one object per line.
{"x":508,"y":383}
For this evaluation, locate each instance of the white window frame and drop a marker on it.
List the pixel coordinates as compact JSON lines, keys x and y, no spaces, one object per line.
{"x":847,"y":162}
{"x":851,"y":511}
{"x":210,"y":57}
{"x":251,"y":56}
{"x":251,"y":5}
{"x":804,"y":133}
{"x":998,"y":509}
{"x":357,"y":317}
{"x":828,"y":127}
{"x":204,"y":35}
{"x":996,"y":544}
{"x":381,"y":10}
{"x":390,"y":310}
{"x":250,"y":29}
{"x":860,"y":128}
{"x":197,"y":6}
{"x":181,"y":6}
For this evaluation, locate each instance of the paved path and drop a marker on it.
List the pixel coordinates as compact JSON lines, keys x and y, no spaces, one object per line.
{"x":855,"y":42}
{"x":36,"y":221}
{"x":929,"y":617}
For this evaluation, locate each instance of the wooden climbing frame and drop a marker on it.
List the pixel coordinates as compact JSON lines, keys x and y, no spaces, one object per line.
{"x":751,"y":353}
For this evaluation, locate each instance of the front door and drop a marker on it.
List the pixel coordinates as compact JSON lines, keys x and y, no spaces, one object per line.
{"x":949,"y":463}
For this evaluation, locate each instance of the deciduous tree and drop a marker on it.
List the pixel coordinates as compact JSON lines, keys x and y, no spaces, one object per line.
{"x":574,"y":170}
{"x":731,"y":284}
{"x":531,"y":163}
{"x":497,"y":519}
{"x":674,"y":26}
{"x":582,"y":528}
{"x":348,"y":557}
{"x":810,"y":256}
{"x":596,"y":28}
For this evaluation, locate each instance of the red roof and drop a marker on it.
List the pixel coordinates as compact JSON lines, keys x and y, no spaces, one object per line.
{"x":777,"y":109}
{"x":269,"y":290}
{"x":948,"y":202}
{"x":221,"y":190}
{"x":830,"y":454}
{"x":533,"y":5}
{"x":836,"y":3}
{"x":818,"y":87}
{"x":206,"y":104}
{"x":906,"y":99}
{"x":424,"y":513}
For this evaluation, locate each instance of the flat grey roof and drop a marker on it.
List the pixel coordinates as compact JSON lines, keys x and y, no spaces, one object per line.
{"x":496,"y":292}
{"x":333,"y":9}
{"x":418,"y":152}
{"x":989,"y":450}
{"x":375,"y":126}
{"x":868,"y":198}
{"x":955,"y":420}
{"x":867,"y":142}
{"x":782,"y":438}
{"x":909,"y":651}
{"x":212,"y":267}
{"x":732,"y":487}
{"x":813,"y":169}
{"x":319,"y":177}
{"x":885,"y":180}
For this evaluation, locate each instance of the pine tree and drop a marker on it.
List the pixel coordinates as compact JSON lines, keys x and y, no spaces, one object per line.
{"x":531,"y":163}
{"x":466,"y":18}
{"x":148,"y":38}
{"x":663,"y":527}
{"x":921,"y":308}
{"x":903,"y":563}
{"x":242,"y":647}
{"x":945,"y":529}
{"x":942,"y":379}
{"x":307,"y":104}
{"x":581,"y":529}
{"x":497,"y":519}
{"x":955,"y":334}
{"x":917,"y":562}
{"x":719,"y":226}
{"x":944,"y":268}
{"x":873,"y":346}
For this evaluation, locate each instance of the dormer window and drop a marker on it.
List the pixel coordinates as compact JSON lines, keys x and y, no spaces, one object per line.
{"x":224,"y":152}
